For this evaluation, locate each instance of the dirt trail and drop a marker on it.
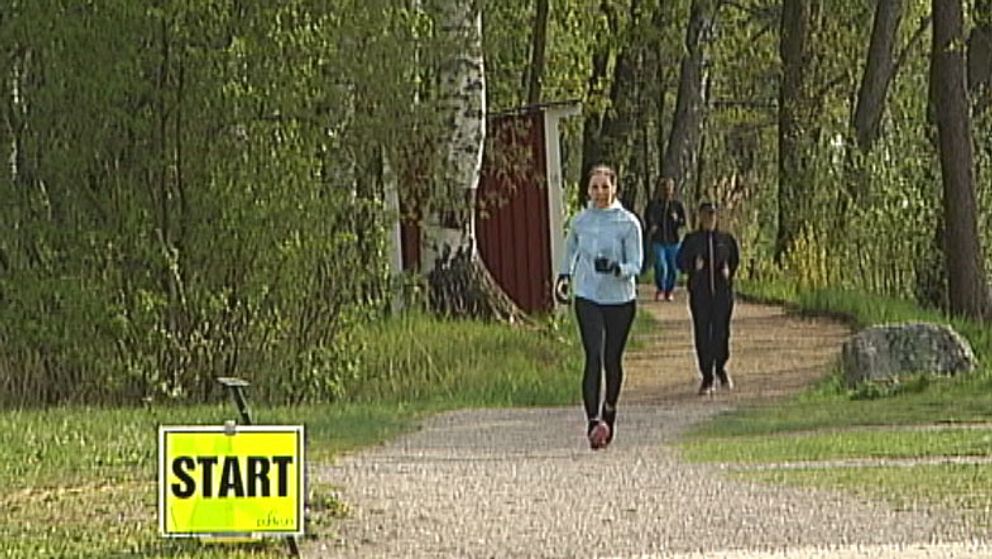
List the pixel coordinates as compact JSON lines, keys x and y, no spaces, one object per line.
{"x":772,"y":354}
{"x":523,"y":483}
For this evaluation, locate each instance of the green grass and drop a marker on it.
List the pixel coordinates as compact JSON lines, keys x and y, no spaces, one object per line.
{"x":771,"y":291}
{"x":71,"y":447}
{"x":957,"y":487}
{"x":450,"y":364}
{"x":422,"y":359}
{"x":947,"y":401}
{"x":837,"y":445}
{"x":830,"y":404}
{"x":831,"y":421}
{"x":81,"y":482}
{"x":862,"y":309}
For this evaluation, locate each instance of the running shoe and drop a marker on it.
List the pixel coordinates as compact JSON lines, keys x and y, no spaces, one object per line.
{"x":726,"y":382}
{"x":599,"y":436}
{"x":610,"y":418}
{"x":706,"y":388}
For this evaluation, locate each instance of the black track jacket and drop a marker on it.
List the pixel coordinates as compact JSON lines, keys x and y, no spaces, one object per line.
{"x":717,"y":249}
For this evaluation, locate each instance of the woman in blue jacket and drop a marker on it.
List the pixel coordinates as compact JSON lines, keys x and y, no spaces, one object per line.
{"x":603,"y":255}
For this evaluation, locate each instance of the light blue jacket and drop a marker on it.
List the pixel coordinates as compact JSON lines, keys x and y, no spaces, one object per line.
{"x":613,"y":233}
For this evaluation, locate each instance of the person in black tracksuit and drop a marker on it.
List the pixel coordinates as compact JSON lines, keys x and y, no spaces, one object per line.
{"x":710,"y":257}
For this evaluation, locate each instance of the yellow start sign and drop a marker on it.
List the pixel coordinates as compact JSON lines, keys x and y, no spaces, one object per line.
{"x":217,"y":481}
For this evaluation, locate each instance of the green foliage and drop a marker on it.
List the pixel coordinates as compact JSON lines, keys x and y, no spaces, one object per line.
{"x":873,"y":218}
{"x":196,"y":191}
{"x":575,"y":29}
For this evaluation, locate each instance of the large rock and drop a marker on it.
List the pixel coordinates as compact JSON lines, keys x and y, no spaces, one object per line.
{"x":886,"y":352}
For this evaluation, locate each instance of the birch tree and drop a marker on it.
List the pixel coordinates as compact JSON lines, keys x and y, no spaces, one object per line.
{"x":459,"y":283}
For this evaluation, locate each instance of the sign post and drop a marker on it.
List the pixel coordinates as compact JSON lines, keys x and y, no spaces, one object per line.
{"x":232,"y":480}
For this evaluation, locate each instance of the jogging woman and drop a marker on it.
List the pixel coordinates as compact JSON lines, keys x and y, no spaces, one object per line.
{"x":603,"y":255}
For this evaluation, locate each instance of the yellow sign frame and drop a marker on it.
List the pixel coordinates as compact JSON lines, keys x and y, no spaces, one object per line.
{"x":217,"y":481}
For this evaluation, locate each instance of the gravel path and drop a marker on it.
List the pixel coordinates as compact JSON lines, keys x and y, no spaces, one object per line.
{"x":522,"y":483}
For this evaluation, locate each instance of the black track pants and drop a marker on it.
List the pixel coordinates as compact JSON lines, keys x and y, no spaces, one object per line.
{"x":711,"y":326}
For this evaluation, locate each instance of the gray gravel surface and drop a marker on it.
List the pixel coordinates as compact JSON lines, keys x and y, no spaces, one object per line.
{"x":523,"y":483}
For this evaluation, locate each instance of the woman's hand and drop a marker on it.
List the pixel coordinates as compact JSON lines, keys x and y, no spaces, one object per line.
{"x":562,"y":285}
{"x":606,"y":266}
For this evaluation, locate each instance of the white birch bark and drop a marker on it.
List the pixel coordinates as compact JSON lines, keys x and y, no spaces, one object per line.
{"x":462,"y":103}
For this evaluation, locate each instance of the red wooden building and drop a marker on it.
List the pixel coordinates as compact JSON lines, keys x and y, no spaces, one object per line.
{"x":519,"y":205}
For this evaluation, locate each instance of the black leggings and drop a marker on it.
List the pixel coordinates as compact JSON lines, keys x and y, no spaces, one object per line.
{"x":604,"y":330}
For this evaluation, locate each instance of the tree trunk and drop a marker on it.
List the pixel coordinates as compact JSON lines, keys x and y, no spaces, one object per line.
{"x":644,"y":140}
{"x":683,"y":142}
{"x":931,"y":272}
{"x":880,"y":69}
{"x":980,"y":57}
{"x":592,"y":145}
{"x":15,"y":117}
{"x":15,"y":128}
{"x":969,"y":293}
{"x":878,"y":73}
{"x":459,"y":283}
{"x":537,"y":49}
{"x":618,"y":122}
{"x":660,"y":76}
{"x":700,"y":189}
{"x":177,"y":364}
{"x":660,"y":136}
{"x":794,"y":51}
{"x":931,"y":276}
{"x":609,"y":139}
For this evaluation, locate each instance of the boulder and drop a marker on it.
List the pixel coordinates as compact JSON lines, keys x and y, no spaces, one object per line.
{"x":889,"y":351}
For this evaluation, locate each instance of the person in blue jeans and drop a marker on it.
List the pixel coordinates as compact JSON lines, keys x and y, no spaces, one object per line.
{"x":603,"y":256}
{"x":665,"y":217}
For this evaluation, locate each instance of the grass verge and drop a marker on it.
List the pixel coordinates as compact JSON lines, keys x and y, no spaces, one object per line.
{"x":958,"y":487}
{"x":82,"y":482}
{"x":924,"y":417}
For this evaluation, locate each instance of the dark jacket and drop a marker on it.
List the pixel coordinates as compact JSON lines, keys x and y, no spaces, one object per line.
{"x":716,"y":249}
{"x":664,"y":219}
